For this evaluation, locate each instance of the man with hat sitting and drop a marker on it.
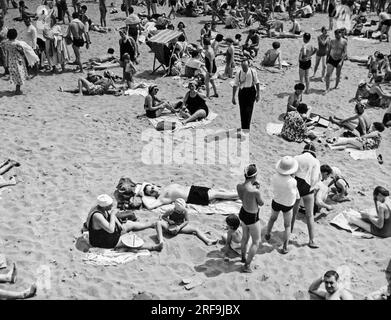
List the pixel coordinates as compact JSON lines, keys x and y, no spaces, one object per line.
{"x":307,"y":176}
{"x":250,"y":195}
{"x":285,"y":195}
{"x":105,"y":229}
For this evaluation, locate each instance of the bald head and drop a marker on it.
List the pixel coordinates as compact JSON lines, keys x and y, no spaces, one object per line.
{"x":245,"y":65}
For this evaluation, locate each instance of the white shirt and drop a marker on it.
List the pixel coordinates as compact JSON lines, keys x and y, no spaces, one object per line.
{"x":309,"y":169}
{"x":384,"y":16}
{"x":284,"y":189}
{"x":194,"y":63}
{"x":307,"y":9}
{"x":246,"y":79}
{"x":31,"y":36}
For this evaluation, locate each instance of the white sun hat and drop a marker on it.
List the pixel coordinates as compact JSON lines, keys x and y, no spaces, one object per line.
{"x":104,"y":200}
{"x":287,"y":165}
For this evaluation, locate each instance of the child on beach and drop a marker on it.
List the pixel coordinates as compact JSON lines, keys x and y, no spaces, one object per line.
{"x":306,"y":52}
{"x":229,"y":59}
{"x":129,"y":71}
{"x":177,"y":221}
{"x":285,"y":195}
{"x":234,"y":233}
{"x":340,"y":188}
{"x":272,"y":56}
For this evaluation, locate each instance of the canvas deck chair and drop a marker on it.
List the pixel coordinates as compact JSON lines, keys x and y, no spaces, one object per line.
{"x":159,"y":45}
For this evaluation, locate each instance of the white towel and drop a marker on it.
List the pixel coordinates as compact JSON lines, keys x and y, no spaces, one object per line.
{"x":137,"y":92}
{"x":274,"y":128}
{"x":108,"y":257}
{"x":362,"y":154}
{"x":179,"y":126}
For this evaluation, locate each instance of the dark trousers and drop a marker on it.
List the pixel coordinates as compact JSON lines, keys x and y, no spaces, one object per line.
{"x":246,"y":105}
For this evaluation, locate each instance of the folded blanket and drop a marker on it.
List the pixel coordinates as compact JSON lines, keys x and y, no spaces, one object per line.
{"x":274,"y":128}
{"x":109,"y":257}
{"x":362,"y":154}
{"x":179,"y":126}
{"x":223,"y":207}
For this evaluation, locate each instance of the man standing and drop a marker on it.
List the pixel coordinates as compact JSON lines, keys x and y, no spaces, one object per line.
{"x":250,"y":195}
{"x":247,"y":82}
{"x":307,"y":176}
{"x":77,"y":32}
{"x":336,"y":55}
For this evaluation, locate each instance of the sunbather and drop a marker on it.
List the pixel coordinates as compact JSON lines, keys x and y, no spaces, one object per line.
{"x":295,"y":98}
{"x":177,"y":221}
{"x":273,"y":56}
{"x":332,"y":286}
{"x":153,"y":106}
{"x":194,"y":195}
{"x":379,"y":225}
{"x":10,"y":277}
{"x":5,"y":167}
{"x":105,"y":229}
{"x":358,"y":124}
{"x":194,"y":107}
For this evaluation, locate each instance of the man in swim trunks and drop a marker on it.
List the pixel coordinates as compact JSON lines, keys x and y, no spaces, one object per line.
{"x":76,"y":29}
{"x":194,"y":195}
{"x":336,"y":55}
{"x":250,"y":195}
{"x":333,"y":289}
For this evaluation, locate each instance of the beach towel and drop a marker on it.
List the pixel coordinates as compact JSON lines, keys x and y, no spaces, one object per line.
{"x":223,"y":207}
{"x":109,"y":257}
{"x":106,"y":65}
{"x":362,"y":154}
{"x":274,"y":128}
{"x":179,"y":126}
{"x":137,"y":92}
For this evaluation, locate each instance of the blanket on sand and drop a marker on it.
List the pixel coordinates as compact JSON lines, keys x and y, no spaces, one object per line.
{"x":109,"y":257}
{"x":179,"y":126}
{"x":341,"y":221}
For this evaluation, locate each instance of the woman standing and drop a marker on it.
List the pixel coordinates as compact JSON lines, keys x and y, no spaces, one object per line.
{"x":210,"y":64}
{"x":16,"y":60}
{"x":55,"y":46}
{"x":323,"y":45}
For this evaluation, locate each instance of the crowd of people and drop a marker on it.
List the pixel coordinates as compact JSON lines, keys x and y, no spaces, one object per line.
{"x":298,"y":180}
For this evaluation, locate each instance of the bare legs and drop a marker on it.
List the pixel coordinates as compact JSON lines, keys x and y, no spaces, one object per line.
{"x":287,"y":227}
{"x":360,"y":223}
{"x":330,"y":69}
{"x":305,"y":78}
{"x":199,"y":234}
{"x":226,"y":195}
{"x":253,"y":231}
{"x":207,"y":80}
{"x":198,"y":115}
{"x":309,"y":214}
{"x":317,"y":61}
{"x":103,"y":18}
{"x":76,"y":50}
{"x":10,"y":277}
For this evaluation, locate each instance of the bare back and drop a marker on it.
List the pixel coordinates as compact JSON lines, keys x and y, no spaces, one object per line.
{"x":250,"y":196}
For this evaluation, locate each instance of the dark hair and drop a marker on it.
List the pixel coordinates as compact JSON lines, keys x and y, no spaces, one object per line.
{"x":181,"y":38}
{"x":194,"y":53}
{"x":12,"y":34}
{"x":233,"y":221}
{"x":378,"y":126}
{"x":302,"y":108}
{"x":276,"y":45}
{"x":299,"y":86}
{"x":110,"y":50}
{"x":224,"y":6}
{"x":323,"y":28}
{"x":75,"y":15}
{"x":326,"y":169}
{"x":130,"y":10}
{"x":84,"y":7}
{"x":379,"y":78}
{"x":306,"y":37}
{"x":380,"y":55}
{"x":148,"y":185}
{"x":238,"y":36}
{"x":359,"y":108}
{"x":331,"y":273}
{"x":206,"y":41}
{"x":219,"y":37}
{"x":181,"y":23}
{"x":379,"y":190}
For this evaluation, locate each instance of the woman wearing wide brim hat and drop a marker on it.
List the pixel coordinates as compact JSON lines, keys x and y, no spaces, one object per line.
{"x":285,"y":194}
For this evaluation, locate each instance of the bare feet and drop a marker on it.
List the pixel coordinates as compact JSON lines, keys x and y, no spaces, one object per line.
{"x":14,"y":163}
{"x":247,"y":269}
{"x":313,"y":245}
{"x":12,"y":274}
{"x":211,"y":242}
{"x":158,"y":247}
{"x":30,"y":292}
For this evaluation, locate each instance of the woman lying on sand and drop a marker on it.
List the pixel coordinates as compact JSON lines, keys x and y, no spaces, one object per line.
{"x":379,"y":225}
{"x":177,"y":221}
{"x":368,"y":141}
{"x":358,"y":124}
{"x":105,"y":229}
{"x":10,"y":277}
{"x":5,"y":167}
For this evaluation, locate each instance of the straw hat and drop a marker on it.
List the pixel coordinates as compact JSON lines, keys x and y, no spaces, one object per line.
{"x":287,"y":165}
{"x":104,"y":200}
{"x":131,"y":240}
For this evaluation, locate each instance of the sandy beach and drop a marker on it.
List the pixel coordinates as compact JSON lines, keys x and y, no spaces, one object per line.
{"x":73,"y":148}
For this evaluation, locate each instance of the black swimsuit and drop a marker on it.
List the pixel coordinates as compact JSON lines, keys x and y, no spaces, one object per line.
{"x":196,"y":103}
{"x":198,"y":195}
{"x":208,"y":65}
{"x":333,"y":62}
{"x":248,"y":218}
{"x":101,"y":238}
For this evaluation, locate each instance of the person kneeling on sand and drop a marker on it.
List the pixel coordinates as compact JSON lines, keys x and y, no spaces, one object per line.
{"x":234,"y":234}
{"x":105,"y":229}
{"x":321,"y":190}
{"x":194,"y":195}
{"x":340,"y":186}
{"x":5,"y":167}
{"x":177,"y":221}
{"x":251,"y":198}
{"x":332,"y":286}
{"x":379,"y":225}
{"x":10,"y":277}
{"x":384,"y":293}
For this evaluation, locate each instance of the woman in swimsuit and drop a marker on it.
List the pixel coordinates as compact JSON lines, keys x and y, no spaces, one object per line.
{"x":210,"y":64}
{"x":306,"y":52}
{"x":359,"y":124}
{"x":177,"y":221}
{"x":323,"y":45}
{"x":153,"y":106}
{"x":369,"y":141}
{"x":377,"y":97}
{"x":379,"y":225}
{"x":194,"y":105}
{"x":205,"y":33}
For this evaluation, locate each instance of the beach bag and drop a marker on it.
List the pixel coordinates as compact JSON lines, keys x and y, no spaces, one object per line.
{"x":125,"y":195}
{"x":165,"y":125}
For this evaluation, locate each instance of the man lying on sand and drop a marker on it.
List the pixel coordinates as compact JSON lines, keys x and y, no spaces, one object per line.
{"x":332,"y":285}
{"x":10,"y":277}
{"x":5,"y":167}
{"x":105,"y":229}
{"x":194,"y":195}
